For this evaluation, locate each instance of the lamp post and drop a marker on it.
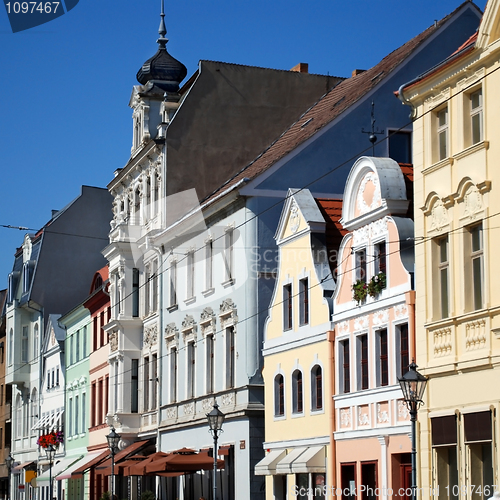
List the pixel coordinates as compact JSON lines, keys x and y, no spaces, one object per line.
{"x":50,"y":451}
{"x":215,"y":420}
{"x":113,"y":440}
{"x":413,"y":386}
{"x":9,"y":462}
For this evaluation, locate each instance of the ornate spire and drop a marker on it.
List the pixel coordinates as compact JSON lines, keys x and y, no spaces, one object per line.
{"x":165,"y":71}
{"x":162,"y":30}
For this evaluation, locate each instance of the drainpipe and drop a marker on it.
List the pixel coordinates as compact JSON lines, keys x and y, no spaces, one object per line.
{"x":330,"y":335}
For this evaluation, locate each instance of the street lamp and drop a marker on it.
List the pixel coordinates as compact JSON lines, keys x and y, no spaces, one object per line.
{"x":215,"y":420}
{"x":50,"y":451}
{"x":113,"y":440}
{"x":9,"y":462}
{"x":413,"y":386}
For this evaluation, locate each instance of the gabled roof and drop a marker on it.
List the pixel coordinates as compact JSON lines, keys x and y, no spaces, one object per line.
{"x":329,"y":107}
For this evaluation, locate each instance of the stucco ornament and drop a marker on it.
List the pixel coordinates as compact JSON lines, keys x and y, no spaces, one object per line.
{"x":403,"y":412}
{"x":113,"y":340}
{"x":171,"y":332}
{"x":228,"y":399}
{"x":382,"y":415}
{"x":363,"y":418}
{"x":188,"y":409}
{"x":401,"y":311}
{"x":381,"y":317}
{"x":151,"y":335}
{"x":345,"y":417}
{"x":52,"y":337}
{"x":207,"y":321}
{"x":368,"y":196}
{"x":172,"y":412}
{"x":473,"y":202}
{"x":188,"y":324}
{"x":207,"y":404}
{"x":361,"y":323}
{"x":227,"y":314}
{"x":294,"y":217}
{"x":439,"y":216}
{"x":343,"y":327}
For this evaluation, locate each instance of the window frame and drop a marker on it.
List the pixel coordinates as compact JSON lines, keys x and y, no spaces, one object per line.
{"x":442,"y":131}
{"x":287,"y":307}
{"x":279,"y":395}
{"x":297,"y":392}
{"x":317,"y":388}
{"x":304,"y":301}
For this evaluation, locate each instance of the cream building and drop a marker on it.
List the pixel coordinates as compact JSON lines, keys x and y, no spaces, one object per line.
{"x":297,"y":354}
{"x":456,"y":149}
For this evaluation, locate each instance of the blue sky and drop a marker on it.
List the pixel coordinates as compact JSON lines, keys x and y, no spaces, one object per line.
{"x":66,"y":85}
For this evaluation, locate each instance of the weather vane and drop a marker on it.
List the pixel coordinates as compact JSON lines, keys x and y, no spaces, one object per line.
{"x":373,"y":133}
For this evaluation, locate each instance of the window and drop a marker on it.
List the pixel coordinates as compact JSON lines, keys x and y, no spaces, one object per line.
{"x":134,"y":386}
{"x":210,"y":363}
{"x":287,"y":307}
{"x":84,"y":342}
{"x":84,"y":412}
{"x":135,"y":293}
{"x":442,"y":134}
{"x":383,"y":358}
{"x":348,"y":481}
{"x":94,"y":332}
{"x":209,"y":252}
{"x":154,"y":286}
{"x":70,"y":417}
{"x":27,"y":271}
{"x":145,"y":386}
{"x":369,"y":480}
{"x":404,"y":352}
{"x":173,"y":283}
{"x":190,"y":275}
{"x":36,"y":339}
{"x":476,"y":116}
{"x":106,"y":395}
{"x":77,"y":415}
{"x":11,"y":345}
{"x":442,"y":278}
{"x":363,"y":362}
{"x":297,"y":392}
{"x":24,"y":345}
{"x":100,"y":405}
{"x":71,"y":349}
{"x":380,"y":258}
{"x":230,"y":357}
{"x":316,"y":388}
{"x":345,"y":375}
{"x":101,"y":330}
{"x":304,"y":301}
{"x":147,"y":278}
{"x":77,"y":340}
{"x":93,"y":400}
{"x":228,"y":255}
{"x":154,"y":381}
{"x":279,"y":396}
{"x":444,"y":446}
{"x":474,"y":267}
{"x":360,"y":265}
{"x":173,"y":375}
{"x":19,"y":417}
{"x":57,"y":376}
{"x":400,"y":146}
{"x":191,"y":365}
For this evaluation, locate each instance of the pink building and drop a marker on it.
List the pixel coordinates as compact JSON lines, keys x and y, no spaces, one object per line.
{"x":374,"y":331}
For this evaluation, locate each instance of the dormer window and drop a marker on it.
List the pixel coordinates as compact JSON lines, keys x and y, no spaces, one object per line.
{"x":27,"y":275}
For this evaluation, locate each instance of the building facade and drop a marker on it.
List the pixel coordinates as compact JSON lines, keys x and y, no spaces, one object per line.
{"x":374,"y":325}
{"x":455,"y":109}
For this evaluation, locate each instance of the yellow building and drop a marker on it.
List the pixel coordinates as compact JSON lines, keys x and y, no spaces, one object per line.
{"x":456,"y":148}
{"x":297,"y":353}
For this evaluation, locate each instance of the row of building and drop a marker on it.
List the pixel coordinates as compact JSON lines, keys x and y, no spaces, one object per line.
{"x":264,"y":256}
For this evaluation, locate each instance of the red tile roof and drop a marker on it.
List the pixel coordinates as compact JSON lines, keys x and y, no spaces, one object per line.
{"x":329,"y":107}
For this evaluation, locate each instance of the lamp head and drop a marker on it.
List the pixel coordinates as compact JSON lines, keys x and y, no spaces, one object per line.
{"x":113,"y":440}
{"x":413,"y":385}
{"x":215,"y":419}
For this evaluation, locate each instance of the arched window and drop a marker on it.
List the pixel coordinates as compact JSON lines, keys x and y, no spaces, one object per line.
{"x":297,"y":392}
{"x":279,"y":396}
{"x":34,"y":409}
{"x":316,"y":388}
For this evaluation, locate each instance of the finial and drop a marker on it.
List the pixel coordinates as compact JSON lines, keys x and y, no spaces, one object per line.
{"x":373,"y":133}
{"x":162,"y":30}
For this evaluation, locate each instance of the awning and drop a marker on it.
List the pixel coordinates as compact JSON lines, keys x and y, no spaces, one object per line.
{"x":183,"y":462}
{"x":20,"y":467}
{"x":58,"y":468}
{"x":284,"y":466}
{"x":105,"y":467}
{"x":139,"y":469}
{"x":77,"y":465}
{"x":267,"y":466}
{"x":312,"y":460}
{"x":80,"y":471}
{"x":56,"y":420}
{"x":41,"y":423}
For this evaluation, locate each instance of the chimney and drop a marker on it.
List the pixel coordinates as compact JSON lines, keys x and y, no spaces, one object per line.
{"x":301,"y":68}
{"x":356,"y":72}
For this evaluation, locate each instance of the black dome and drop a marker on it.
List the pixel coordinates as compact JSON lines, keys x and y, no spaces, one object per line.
{"x":164,"y":69}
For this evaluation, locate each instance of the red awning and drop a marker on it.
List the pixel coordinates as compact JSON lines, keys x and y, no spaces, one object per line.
{"x":139,"y":469}
{"x":183,"y":462}
{"x":20,"y":467}
{"x":105,"y":467}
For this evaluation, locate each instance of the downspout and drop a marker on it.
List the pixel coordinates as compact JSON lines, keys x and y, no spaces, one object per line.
{"x":331,"y":361}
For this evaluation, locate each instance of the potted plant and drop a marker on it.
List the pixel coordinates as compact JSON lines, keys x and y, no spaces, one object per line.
{"x":377,"y":284}
{"x":359,"y":291}
{"x":52,"y":438}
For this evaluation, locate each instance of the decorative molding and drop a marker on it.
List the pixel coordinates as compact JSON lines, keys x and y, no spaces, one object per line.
{"x":373,"y":230}
{"x":345,"y":417}
{"x":342,"y":327}
{"x":475,"y":335}
{"x":207,"y":404}
{"x":172,"y":412}
{"x":228,"y":316}
{"x":207,"y":321}
{"x":442,"y":342}
{"x":401,"y":311}
{"x":361,"y":323}
{"x":188,"y":325}
{"x":188,"y":408}
{"x":113,"y":340}
{"x":439,"y":216}
{"x":294,"y":219}
{"x":362,"y":206}
{"x":473,"y":203}
{"x":363,"y":418}
{"x":380,"y":317}
{"x":403,"y":412}
{"x":151,"y":336}
{"x":382,"y":415}
{"x":171,"y":334}
{"x":228,"y":399}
